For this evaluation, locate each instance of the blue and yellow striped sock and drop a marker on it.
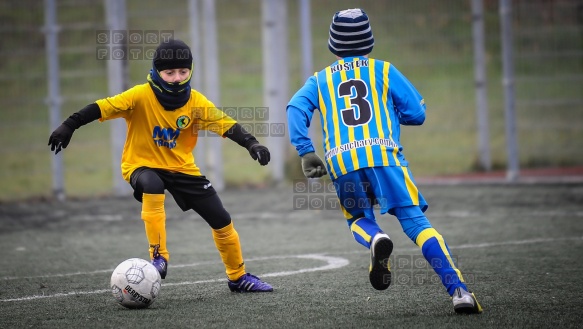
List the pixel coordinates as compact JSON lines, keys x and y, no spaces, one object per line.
{"x":363,"y":230}
{"x":437,"y":253}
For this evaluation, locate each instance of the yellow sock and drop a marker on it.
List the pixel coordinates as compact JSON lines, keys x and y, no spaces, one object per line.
{"x":154,"y":218}
{"x":227,"y":242}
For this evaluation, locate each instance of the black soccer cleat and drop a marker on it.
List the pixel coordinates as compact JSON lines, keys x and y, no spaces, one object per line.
{"x":381,"y":248}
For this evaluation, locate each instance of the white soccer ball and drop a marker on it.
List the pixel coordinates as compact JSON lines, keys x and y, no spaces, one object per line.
{"x":135,"y":283}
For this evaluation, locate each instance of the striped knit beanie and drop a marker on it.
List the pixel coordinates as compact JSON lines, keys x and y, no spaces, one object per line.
{"x":350,"y":33}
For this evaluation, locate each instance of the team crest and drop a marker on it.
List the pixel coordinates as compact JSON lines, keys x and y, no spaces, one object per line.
{"x":183,"y":121}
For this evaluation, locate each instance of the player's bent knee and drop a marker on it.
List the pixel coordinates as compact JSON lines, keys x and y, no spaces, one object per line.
{"x":412,"y":220}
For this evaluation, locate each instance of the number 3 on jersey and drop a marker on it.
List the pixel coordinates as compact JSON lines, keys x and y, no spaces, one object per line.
{"x":360,"y":112}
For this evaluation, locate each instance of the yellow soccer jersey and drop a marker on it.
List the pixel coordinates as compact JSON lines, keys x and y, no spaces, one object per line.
{"x":162,"y":139}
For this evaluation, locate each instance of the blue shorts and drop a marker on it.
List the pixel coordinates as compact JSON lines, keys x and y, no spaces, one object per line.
{"x":389,"y":187}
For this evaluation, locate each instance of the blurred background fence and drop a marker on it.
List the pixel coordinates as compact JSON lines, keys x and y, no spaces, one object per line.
{"x":429,"y":41}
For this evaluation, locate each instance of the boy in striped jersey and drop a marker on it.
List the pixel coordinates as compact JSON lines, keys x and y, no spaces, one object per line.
{"x":362,"y":103}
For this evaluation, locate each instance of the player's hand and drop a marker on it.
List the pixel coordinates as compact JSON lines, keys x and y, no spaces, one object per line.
{"x":60,"y":138}
{"x":260,"y":153}
{"x":313,"y":166}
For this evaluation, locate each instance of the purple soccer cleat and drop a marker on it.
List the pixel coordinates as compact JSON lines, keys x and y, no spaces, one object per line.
{"x":160,"y":263}
{"x":249,"y":283}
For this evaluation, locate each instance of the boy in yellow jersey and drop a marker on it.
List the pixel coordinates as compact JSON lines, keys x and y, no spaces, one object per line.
{"x":362,"y":103}
{"x":164,"y":117}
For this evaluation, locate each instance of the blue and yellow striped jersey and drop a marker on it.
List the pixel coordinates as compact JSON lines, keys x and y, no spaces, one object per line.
{"x":362,"y":103}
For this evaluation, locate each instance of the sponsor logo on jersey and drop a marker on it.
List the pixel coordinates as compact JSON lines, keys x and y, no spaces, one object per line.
{"x":183,"y":121}
{"x":165,"y":137}
{"x":358,"y":144}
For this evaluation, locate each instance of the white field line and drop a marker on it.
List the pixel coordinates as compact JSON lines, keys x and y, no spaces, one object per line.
{"x":485,"y":244}
{"x":518,"y":242}
{"x":331,"y":263}
{"x":313,"y":256}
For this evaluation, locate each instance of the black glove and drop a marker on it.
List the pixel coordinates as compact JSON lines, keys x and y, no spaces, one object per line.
{"x":313,"y":166}
{"x":61,"y":137}
{"x":260,"y":153}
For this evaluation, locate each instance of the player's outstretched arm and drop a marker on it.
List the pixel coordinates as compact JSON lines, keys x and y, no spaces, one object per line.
{"x":61,"y":137}
{"x":239,"y":135}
